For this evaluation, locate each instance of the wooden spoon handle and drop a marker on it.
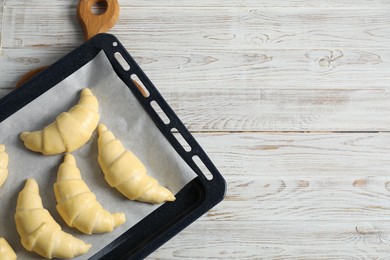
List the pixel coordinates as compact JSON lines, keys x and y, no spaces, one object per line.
{"x":94,"y":24}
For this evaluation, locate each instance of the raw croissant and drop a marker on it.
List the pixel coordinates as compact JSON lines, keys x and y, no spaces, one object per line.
{"x":69,"y":131}
{"x":124,"y":171}
{"x":38,"y":230}
{"x":77,"y":205}
{"x":3,"y":164}
{"x":6,"y":251}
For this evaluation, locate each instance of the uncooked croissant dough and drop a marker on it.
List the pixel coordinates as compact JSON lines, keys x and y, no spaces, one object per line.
{"x":69,"y":131}
{"x":124,"y":171}
{"x":6,"y":251}
{"x":3,"y":164}
{"x":38,"y":230}
{"x":77,"y":205}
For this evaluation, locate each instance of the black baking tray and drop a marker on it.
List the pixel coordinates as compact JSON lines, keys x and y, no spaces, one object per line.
{"x":195,"y":199}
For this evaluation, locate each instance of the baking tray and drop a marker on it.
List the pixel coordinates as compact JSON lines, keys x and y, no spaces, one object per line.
{"x":195,"y":199}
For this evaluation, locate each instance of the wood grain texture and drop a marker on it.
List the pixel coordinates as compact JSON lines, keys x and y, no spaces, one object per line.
{"x":349,"y":4}
{"x":283,"y":110}
{"x":208,"y":28}
{"x":253,"y":99}
{"x":248,"y":69}
{"x":245,"y":69}
{"x":290,"y":99}
{"x":302,"y":177}
{"x":94,"y":24}
{"x":258,"y":84}
{"x":276,"y":240}
{"x":15,"y":63}
{"x":294,"y":196}
{"x":275,"y":155}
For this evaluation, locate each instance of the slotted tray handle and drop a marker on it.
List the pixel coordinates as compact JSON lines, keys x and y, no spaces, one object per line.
{"x":186,"y":146}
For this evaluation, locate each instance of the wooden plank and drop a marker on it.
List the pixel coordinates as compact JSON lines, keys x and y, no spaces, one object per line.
{"x":278,"y":90}
{"x":208,"y":28}
{"x":284,"y":68}
{"x":350,"y":4}
{"x":17,"y":62}
{"x":173,"y":70}
{"x":350,"y":197}
{"x":239,"y":103}
{"x":280,"y":110}
{"x":294,"y":196}
{"x":311,"y":177}
{"x":46,"y":26}
{"x":275,"y":240}
{"x":297,"y":155}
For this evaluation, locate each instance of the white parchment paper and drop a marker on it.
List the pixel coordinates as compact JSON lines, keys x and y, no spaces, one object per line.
{"x":123,"y":115}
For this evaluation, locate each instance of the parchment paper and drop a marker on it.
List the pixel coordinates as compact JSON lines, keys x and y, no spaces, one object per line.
{"x":123,"y":115}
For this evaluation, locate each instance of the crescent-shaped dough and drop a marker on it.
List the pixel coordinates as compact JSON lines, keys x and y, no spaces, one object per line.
{"x":69,"y":131}
{"x":6,"y":251}
{"x":78,"y":206}
{"x":3,"y":164}
{"x":38,"y":230}
{"x":124,"y":171}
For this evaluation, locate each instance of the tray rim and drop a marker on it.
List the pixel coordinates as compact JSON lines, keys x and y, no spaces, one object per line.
{"x":209,"y":192}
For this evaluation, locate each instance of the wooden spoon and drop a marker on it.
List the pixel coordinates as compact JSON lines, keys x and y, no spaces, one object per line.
{"x":92,"y":25}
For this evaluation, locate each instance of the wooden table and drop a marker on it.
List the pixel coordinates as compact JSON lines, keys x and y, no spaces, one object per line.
{"x":290,"y":99}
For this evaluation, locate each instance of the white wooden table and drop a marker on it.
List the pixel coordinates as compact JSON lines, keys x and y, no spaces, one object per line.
{"x":290,"y":99}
